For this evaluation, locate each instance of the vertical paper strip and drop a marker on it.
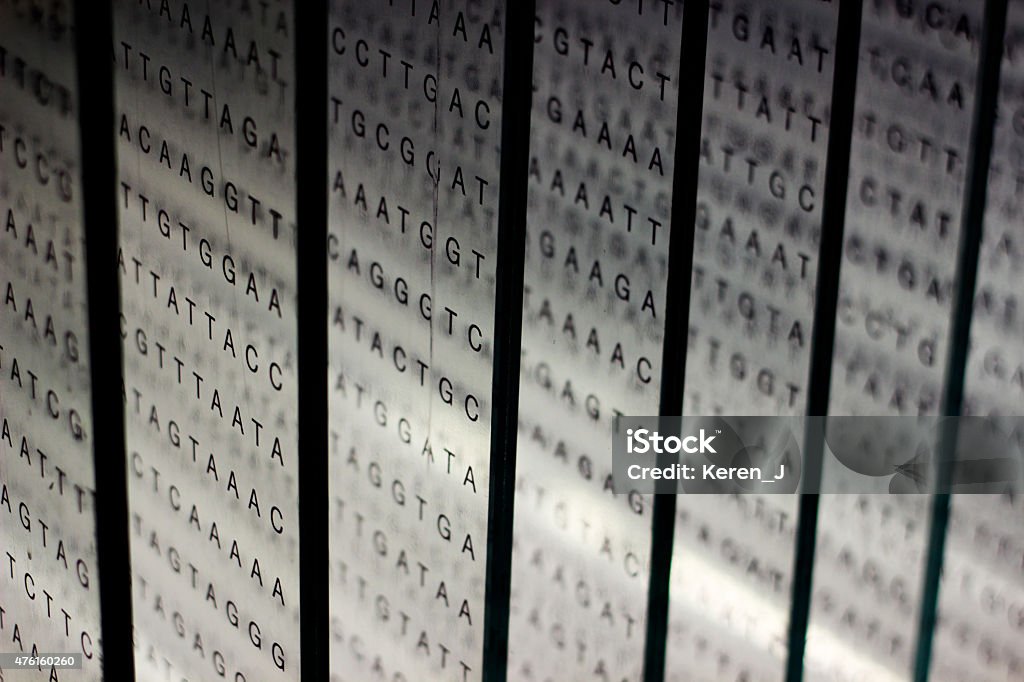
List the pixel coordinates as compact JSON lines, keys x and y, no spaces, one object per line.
{"x":981,"y":594}
{"x":767,"y":97}
{"x":206,"y":141}
{"x":914,"y":88}
{"x":972,"y":218}
{"x":415,"y":120}
{"x":601,"y":166}
{"x":49,"y":588}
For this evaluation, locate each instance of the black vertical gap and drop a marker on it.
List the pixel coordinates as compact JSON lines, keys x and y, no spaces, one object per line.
{"x":311,"y":177}
{"x":971,"y":224}
{"x":94,"y":36}
{"x":833,"y":223}
{"x":685,"y":174}
{"x":517,"y":105}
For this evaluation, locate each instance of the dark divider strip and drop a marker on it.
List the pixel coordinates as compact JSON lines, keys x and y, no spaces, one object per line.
{"x":833,"y":224}
{"x":94,"y":38}
{"x":517,"y":105}
{"x":311,"y":177}
{"x":685,"y":175}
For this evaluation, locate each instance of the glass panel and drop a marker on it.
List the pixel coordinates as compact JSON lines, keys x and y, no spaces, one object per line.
{"x":767,"y":89}
{"x":206,"y":151}
{"x":415,"y":128}
{"x":910,"y":142}
{"x":49,"y":584}
{"x":207,"y":261}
